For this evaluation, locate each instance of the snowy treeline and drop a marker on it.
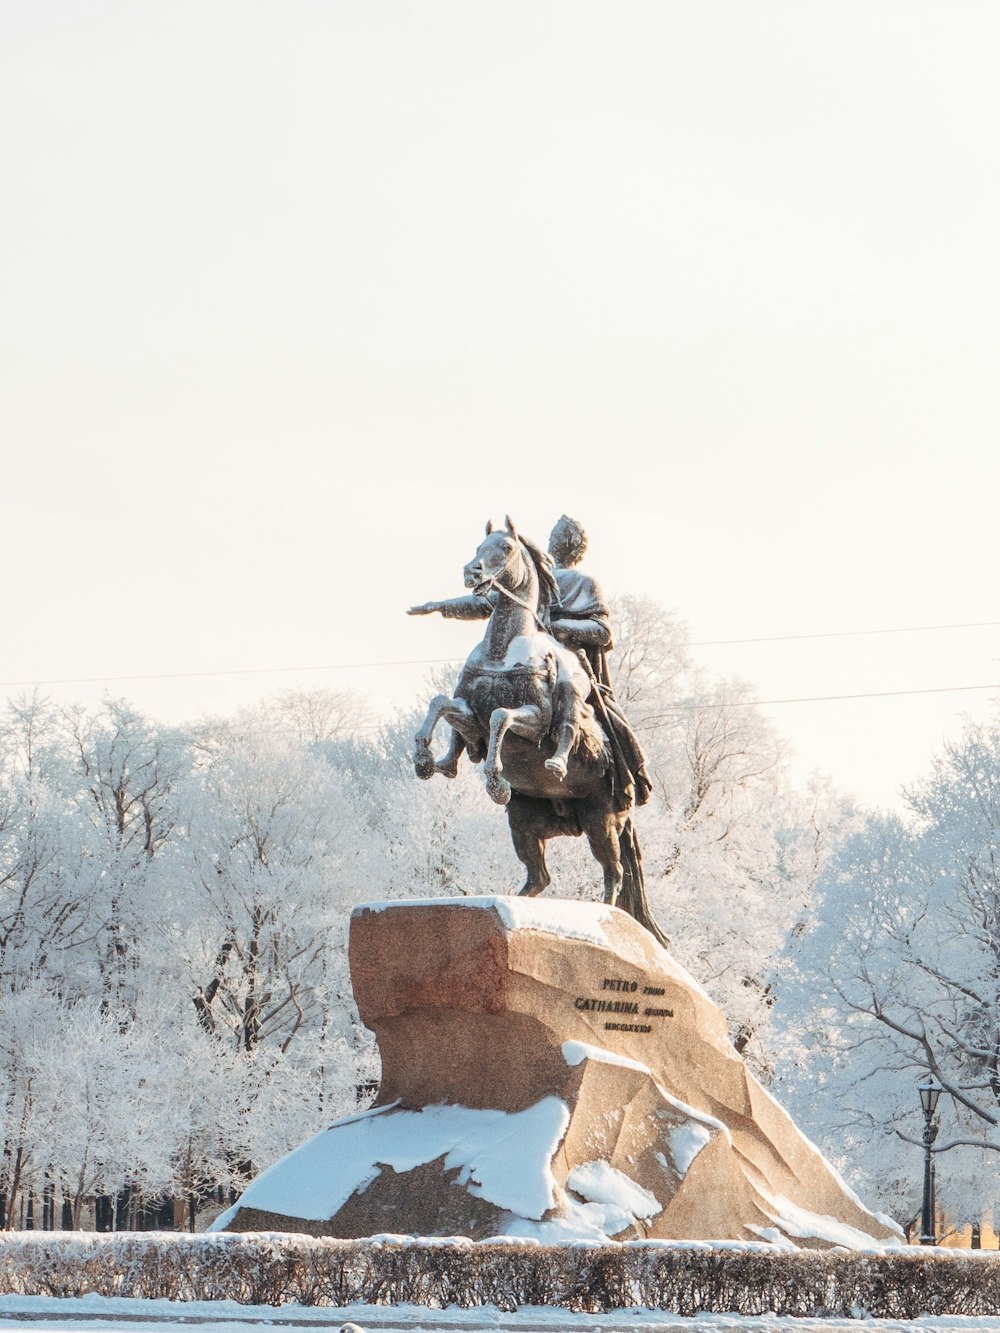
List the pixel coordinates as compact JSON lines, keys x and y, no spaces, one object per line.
{"x":685,"y":1279}
{"x":176,"y":1006}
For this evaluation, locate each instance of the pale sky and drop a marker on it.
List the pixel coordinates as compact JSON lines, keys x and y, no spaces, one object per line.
{"x":294,"y":295}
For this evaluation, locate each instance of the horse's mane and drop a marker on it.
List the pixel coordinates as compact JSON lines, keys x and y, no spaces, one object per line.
{"x":548,"y":589}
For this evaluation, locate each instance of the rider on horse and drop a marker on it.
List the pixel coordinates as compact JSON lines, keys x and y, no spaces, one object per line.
{"x":580,"y":620}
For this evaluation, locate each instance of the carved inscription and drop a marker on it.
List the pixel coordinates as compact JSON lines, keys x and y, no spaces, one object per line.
{"x":625,"y":1007}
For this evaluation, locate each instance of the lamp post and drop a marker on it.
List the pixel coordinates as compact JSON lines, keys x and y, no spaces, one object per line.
{"x":929,"y":1094}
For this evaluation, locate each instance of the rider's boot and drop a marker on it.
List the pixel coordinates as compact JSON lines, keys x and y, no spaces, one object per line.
{"x":566,"y":710}
{"x":558,"y":763}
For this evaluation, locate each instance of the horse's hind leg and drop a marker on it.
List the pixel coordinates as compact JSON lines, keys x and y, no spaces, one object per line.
{"x":601,"y":827}
{"x":533,"y":820}
{"x":528,"y":831}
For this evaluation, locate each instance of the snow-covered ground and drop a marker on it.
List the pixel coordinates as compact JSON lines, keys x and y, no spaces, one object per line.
{"x":92,"y":1314}
{"x":96,"y":1313}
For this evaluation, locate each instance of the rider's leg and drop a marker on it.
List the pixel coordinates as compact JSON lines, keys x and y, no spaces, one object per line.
{"x":567,"y":710}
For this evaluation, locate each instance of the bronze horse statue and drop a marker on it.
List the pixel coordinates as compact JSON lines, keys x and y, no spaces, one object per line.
{"x":521,"y":708}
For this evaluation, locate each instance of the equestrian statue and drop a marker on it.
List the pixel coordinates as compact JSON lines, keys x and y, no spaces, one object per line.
{"x":534,"y":705}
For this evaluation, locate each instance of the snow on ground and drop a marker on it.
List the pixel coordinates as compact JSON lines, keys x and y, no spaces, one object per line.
{"x":98,"y":1314}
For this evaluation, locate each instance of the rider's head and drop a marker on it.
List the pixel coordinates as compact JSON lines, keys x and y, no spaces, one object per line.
{"x":567,"y":542}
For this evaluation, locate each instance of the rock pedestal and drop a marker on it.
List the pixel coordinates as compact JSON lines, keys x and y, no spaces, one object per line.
{"x":548,"y":1070}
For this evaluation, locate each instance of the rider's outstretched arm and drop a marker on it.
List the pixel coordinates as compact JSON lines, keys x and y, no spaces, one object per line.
{"x":457,"y":608}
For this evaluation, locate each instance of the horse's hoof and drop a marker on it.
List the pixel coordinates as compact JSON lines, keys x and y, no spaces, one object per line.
{"x":532,"y":890}
{"x":557,"y":766}
{"x":423,"y":762}
{"x":498,"y":789}
{"x":446,"y":770}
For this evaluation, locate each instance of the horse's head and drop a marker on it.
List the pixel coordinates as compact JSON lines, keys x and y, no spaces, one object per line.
{"x":500,"y":558}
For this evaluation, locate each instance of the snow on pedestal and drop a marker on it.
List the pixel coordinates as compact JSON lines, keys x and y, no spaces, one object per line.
{"x":549,"y":1071}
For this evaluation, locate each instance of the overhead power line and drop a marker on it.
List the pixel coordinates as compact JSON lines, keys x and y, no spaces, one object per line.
{"x":238,"y":671}
{"x":671,"y":713}
{"x":443,"y":661}
{"x":817,"y":699}
{"x":847,"y":633}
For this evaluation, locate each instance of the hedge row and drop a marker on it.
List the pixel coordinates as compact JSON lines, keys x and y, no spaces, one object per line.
{"x":273,"y":1269}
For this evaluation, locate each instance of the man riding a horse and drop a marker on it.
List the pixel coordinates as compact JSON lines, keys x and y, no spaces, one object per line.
{"x":534,"y":703}
{"x":578,"y":618}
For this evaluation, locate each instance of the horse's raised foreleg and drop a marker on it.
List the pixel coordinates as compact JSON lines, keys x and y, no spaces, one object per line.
{"x":527,"y":721}
{"x":465,"y":729}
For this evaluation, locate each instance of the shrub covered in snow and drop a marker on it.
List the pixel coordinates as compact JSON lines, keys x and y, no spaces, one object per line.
{"x":682,"y":1279}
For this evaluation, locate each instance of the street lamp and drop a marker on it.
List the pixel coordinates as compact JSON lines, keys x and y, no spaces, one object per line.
{"x":929,"y":1094}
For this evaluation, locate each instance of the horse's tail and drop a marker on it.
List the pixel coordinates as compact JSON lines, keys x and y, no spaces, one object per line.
{"x":632,"y":898}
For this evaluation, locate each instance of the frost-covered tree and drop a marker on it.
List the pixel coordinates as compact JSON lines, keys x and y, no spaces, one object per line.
{"x":89,"y":806}
{"x":125,"y":864}
{"x":127,"y":771}
{"x":263,"y":856}
{"x":271,"y":880}
{"x":320,"y":715}
{"x":38,"y":920}
{"x":900,"y":978}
